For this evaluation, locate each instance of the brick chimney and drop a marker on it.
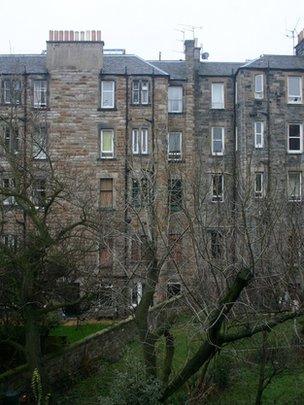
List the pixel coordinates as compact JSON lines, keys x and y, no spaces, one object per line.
{"x":300,"y":46}
{"x":74,"y":50}
{"x":192,"y":51}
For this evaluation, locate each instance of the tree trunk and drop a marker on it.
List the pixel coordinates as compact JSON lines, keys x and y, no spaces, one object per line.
{"x":213,"y":341}
{"x":261,"y":385}
{"x":32,"y":341}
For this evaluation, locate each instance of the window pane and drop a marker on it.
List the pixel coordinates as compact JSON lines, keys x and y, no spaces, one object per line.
{"x":217,"y":95}
{"x":107,"y":94}
{"x":174,"y":142}
{"x":175,"y":99}
{"x":294,"y":185}
{"x":39,"y":143}
{"x":294,"y":88}
{"x":135,"y":141}
{"x":258,"y":83}
{"x":294,"y":130}
{"x":107,"y":143}
{"x":106,"y":193}
{"x":144,"y":141}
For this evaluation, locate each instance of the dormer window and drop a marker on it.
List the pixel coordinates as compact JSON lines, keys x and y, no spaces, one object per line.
{"x":294,"y":90}
{"x":141,"y":93}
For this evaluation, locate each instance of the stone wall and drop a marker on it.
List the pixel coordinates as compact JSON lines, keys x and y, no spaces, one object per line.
{"x":91,"y":352}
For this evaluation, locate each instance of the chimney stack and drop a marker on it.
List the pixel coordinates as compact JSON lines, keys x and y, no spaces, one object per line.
{"x":192,"y":51}
{"x":71,"y":36}
{"x":75,"y":50}
{"x":300,"y":46}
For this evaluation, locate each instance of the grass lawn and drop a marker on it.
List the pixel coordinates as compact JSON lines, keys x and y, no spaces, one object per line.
{"x":75,"y":333}
{"x":241,"y":360}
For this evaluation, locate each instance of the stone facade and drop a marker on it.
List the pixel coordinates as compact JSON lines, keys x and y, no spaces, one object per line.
{"x":216,"y":116}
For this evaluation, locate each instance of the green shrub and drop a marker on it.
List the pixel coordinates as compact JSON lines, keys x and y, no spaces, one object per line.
{"x":131,"y":387}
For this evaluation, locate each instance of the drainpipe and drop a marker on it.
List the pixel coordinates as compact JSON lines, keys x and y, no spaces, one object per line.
{"x":234,"y":170}
{"x":126,"y":219}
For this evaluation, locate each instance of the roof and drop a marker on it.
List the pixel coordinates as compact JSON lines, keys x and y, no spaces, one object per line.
{"x":116,"y":64}
{"x":18,"y":64}
{"x":282,"y":62}
{"x":175,"y":68}
{"x":218,"y":68}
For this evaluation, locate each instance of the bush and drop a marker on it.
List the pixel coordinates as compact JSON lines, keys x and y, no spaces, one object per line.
{"x":132,"y":388}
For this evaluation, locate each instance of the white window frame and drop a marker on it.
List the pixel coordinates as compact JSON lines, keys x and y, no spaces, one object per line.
{"x":140,"y":141}
{"x":39,"y":147}
{"x":172,"y":101}
{"x":218,"y":105}
{"x":294,"y":98}
{"x":175,"y":155}
{"x":257,"y":134}
{"x":259,"y":193}
{"x":40,"y":92}
{"x":217,"y":197}
{"x":139,"y":291}
{"x":112,"y":91}
{"x":221,"y":153}
{"x":259,"y":93}
{"x":144,"y":90}
{"x":292,"y":197}
{"x":110,"y":153}
{"x":236,"y":139}
{"x":295,"y":151}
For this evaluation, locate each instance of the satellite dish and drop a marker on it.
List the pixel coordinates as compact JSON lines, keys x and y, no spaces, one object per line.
{"x":205,"y":55}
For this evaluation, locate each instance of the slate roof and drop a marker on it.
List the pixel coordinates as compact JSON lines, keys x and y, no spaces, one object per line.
{"x":115,"y":64}
{"x":175,"y":68}
{"x":218,"y":68}
{"x":285,"y":62}
{"x":18,"y":64}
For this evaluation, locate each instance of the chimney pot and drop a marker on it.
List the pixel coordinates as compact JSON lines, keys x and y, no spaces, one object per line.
{"x":55,"y":35}
{"x":93,"y":35}
{"x":60,"y":35}
{"x":98,"y":35}
{"x":71,"y":35}
{"x":51,"y":35}
{"x":88,"y":35}
{"x":66,"y":35}
{"x":81,"y":35}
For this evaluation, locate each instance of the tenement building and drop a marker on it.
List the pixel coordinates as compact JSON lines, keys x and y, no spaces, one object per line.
{"x":168,"y":155}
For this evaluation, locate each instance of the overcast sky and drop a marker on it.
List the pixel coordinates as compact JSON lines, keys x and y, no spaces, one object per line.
{"x":232,"y":30}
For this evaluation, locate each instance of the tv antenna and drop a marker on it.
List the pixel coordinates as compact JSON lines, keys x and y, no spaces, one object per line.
{"x":291,"y":34}
{"x":190,"y":28}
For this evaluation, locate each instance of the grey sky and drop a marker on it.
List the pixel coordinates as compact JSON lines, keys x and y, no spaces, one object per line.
{"x":233,"y":30}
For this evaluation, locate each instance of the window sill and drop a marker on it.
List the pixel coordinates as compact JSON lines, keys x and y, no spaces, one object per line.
{"x":176,"y":160}
{"x":140,"y":154}
{"x":140,"y":105}
{"x":106,"y":159}
{"x":107,"y":109}
{"x":42,"y":108}
{"x":217,"y":154}
{"x":293,"y":103}
{"x":106,"y":209}
{"x":176,"y":112}
{"x":294,"y":153}
{"x":218,"y":108}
